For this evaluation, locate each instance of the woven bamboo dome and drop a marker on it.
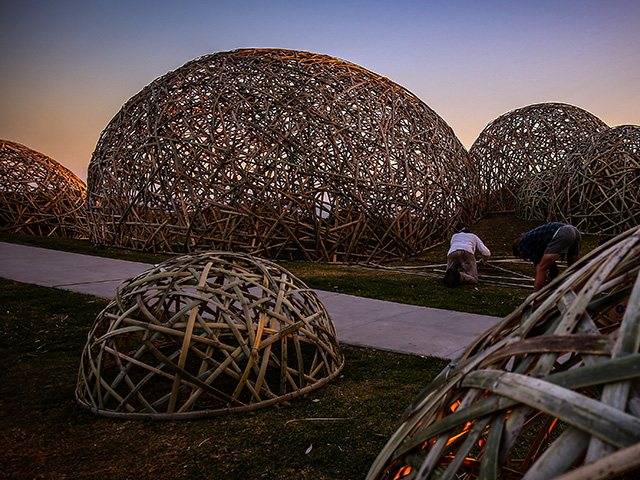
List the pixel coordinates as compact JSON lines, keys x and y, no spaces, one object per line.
{"x":38,"y":196}
{"x":534,"y":196}
{"x":523,"y":142}
{"x":207,"y":334}
{"x":551,"y":392}
{"x":599,"y":189}
{"x":281,"y":154}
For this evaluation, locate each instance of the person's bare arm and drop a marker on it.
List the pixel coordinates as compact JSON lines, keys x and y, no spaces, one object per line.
{"x":542,"y":267}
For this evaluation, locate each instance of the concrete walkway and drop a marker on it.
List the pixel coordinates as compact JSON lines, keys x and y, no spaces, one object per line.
{"x":359,"y":321}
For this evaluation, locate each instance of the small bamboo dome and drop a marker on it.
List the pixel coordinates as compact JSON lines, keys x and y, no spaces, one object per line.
{"x":599,"y":189}
{"x":281,"y":154}
{"x":552,"y":392}
{"x":207,"y":334}
{"x":38,"y":196}
{"x":524,"y":142}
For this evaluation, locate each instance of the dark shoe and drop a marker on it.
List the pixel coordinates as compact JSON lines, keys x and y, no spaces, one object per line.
{"x":451,"y":277}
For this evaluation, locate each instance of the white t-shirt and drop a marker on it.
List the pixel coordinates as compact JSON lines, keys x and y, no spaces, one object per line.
{"x":468,"y":242}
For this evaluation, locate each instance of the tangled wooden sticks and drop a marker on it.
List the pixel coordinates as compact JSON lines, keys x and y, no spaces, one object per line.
{"x":282,"y":154}
{"x":557,"y":162}
{"x":38,"y":196}
{"x":207,"y":334}
{"x":552,"y":392}
{"x":598,"y":189}
{"x":522,"y":143}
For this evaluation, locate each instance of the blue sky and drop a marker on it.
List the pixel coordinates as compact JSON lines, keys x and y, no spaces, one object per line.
{"x":66,"y":67}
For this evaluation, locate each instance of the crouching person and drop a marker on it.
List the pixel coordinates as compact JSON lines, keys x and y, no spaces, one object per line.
{"x":461,"y":258}
{"x":544,"y":245}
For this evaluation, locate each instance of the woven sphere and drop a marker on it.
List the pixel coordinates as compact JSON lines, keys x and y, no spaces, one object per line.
{"x":599,"y":189}
{"x":207,"y":334}
{"x":552,"y":390}
{"x":38,"y":196}
{"x":523,"y":142}
{"x":534,"y":196}
{"x":282,"y":154}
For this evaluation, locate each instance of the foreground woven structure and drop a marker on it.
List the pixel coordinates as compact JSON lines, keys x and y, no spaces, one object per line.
{"x":552,"y":392}
{"x":38,"y":196}
{"x":524,"y":142}
{"x":281,"y":154}
{"x":203,"y":335}
{"x":598,"y":190}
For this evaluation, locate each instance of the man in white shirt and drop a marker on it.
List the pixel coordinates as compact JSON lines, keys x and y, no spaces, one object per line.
{"x":461,"y":256}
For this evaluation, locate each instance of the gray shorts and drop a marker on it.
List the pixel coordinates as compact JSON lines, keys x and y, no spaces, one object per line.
{"x":567,"y":240}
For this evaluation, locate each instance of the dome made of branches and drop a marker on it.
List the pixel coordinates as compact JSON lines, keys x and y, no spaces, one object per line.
{"x":207,"y":334}
{"x":599,"y":189}
{"x":282,"y":154}
{"x":552,"y":391}
{"x":524,"y":142}
{"x":534,"y":196}
{"x":38,"y":196}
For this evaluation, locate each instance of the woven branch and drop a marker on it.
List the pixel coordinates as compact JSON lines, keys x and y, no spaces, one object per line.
{"x":38,"y":196}
{"x":553,"y":388}
{"x":281,"y":154}
{"x":207,"y":334}
{"x":599,"y":188}
{"x":524,"y":142}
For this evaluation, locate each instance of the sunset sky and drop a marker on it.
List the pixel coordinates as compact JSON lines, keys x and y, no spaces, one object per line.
{"x":66,"y":67}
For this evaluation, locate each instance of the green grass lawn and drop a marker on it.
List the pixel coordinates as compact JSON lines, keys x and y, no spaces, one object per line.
{"x":46,"y":435}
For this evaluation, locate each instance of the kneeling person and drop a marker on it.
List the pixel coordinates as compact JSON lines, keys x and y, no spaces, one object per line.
{"x":461,"y":259}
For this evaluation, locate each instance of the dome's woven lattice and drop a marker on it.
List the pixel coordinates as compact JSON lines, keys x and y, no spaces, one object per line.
{"x":552,"y":390}
{"x":524,"y":142}
{"x":599,"y":189}
{"x":282,"y":154}
{"x":38,"y":196}
{"x":535,"y":195}
{"x":207,"y":334}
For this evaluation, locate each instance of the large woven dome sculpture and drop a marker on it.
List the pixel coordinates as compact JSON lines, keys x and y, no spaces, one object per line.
{"x":599,"y":189}
{"x":38,"y":196}
{"x":524,"y":142}
{"x":207,"y":334}
{"x":282,"y":154}
{"x":551,"y":392}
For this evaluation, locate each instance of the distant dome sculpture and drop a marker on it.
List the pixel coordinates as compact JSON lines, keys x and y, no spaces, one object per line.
{"x":534,"y":196}
{"x":207,"y":334}
{"x":551,"y":390}
{"x":38,"y":196}
{"x":599,"y":189}
{"x":524,"y":142}
{"x":282,"y":154}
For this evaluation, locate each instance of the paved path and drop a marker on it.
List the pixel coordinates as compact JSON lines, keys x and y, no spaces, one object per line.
{"x":359,"y":321}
